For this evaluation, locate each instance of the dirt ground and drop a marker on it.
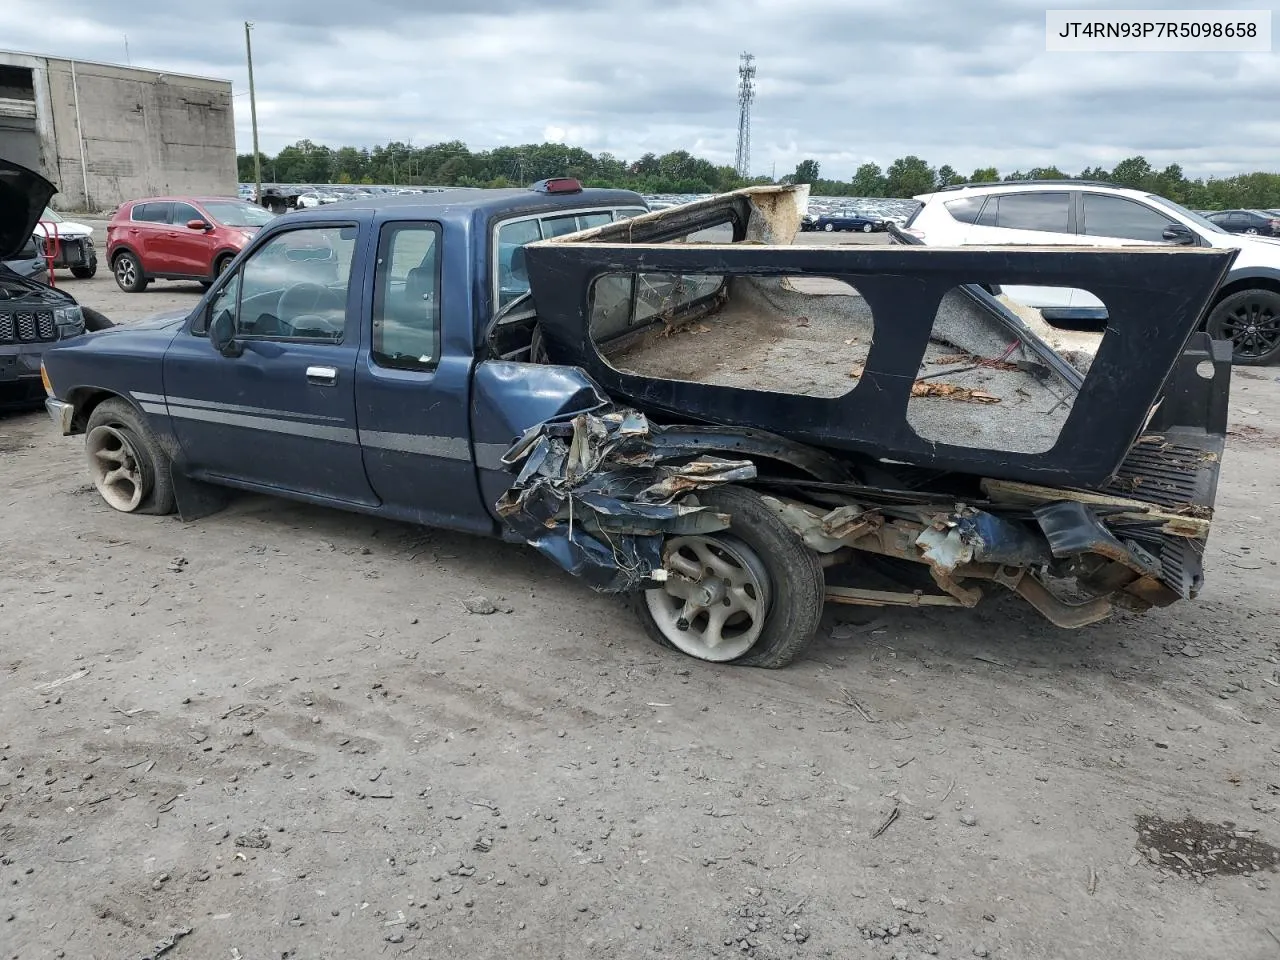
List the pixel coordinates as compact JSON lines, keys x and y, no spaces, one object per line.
{"x":277,"y":732}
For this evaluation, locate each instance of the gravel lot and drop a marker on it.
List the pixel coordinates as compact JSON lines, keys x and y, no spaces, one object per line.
{"x":277,"y":732}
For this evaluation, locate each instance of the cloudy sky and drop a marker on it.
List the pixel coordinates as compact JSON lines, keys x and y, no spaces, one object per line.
{"x":843,"y":81}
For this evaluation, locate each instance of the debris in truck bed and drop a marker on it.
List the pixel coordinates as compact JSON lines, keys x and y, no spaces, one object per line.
{"x":934,"y":388}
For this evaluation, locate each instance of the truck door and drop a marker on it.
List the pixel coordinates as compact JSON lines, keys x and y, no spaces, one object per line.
{"x":413,"y":380}
{"x":281,"y":414}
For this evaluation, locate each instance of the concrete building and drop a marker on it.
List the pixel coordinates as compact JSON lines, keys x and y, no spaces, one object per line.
{"x":105,"y":134}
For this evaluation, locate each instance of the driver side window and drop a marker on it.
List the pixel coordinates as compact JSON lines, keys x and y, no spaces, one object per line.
{"x":293,"y":288}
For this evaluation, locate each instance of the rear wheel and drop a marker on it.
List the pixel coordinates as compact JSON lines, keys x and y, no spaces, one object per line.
{"x":1250,"y":319}
{"x":752,"y":596}
{"x":866,"y":228}
{"x":128,"y":466}
{"x":128,"y":272}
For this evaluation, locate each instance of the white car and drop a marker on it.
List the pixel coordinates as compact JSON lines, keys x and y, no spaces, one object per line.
{"x":69,"y":243}
{"x":1245,"y":310}
{"x":314,"y":198}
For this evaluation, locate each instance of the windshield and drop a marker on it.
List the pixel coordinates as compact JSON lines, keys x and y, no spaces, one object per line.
{"x":51,"y":216}
{"x":1191,"y":215}
{"x":232,"y":213}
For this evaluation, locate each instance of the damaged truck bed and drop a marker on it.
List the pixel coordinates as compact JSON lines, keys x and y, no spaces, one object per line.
{"x":920,"y":440}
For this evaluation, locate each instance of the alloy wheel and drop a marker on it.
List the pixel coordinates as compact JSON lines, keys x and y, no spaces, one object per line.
{"x":714,"y":603}
{"x":1253,"y":328}
{"x":113,"y":464}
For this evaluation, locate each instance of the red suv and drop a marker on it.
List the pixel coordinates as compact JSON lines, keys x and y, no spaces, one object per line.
{"x":178,"y":238}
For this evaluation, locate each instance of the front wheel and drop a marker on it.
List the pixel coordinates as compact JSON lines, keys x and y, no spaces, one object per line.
{"x":129,"y":467}
{"x":87,"y":271}
{"x":829,"y":227}
{"x":1250,"y":319}
{"x":752,"y":596}
{"x":93,"y":320}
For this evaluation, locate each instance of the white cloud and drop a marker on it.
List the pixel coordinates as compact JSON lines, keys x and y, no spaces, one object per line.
{"x":842,"y":81}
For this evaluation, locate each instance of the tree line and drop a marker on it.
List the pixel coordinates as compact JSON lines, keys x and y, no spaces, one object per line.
{"x":452,"y":164}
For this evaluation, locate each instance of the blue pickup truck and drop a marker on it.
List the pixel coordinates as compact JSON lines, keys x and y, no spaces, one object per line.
{"x":682,"y":406}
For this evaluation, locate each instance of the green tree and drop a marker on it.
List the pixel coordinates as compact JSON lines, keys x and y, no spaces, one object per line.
{"x":985,"y":175}
{"x":948,"y":176}
{"x":1135,"y":173}
{"x":807,"y":171}
{"x":908,"y":176}
{"x":868,"y":181}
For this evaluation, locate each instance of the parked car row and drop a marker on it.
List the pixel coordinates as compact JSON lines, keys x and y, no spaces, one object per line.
{"x":839,"y":220}
{"x":1245,"y":309}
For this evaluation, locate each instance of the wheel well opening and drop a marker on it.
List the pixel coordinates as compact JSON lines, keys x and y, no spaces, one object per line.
{"x":86,"y":400}
{"x":1246,"y":283}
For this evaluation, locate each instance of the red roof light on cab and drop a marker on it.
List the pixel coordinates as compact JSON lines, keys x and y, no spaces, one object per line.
{"x":557,"y":185}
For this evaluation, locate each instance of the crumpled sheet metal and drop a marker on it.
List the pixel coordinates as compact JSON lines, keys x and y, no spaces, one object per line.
{"x":971,"y":535}
{"x":595,"y":495}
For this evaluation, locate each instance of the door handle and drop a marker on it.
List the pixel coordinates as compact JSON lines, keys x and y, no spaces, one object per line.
{"x":323,"y":376}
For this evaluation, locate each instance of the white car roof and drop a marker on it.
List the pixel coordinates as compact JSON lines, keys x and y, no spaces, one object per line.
{"x":1016,"y":186}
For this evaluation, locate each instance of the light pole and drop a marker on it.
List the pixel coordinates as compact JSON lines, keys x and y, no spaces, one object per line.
{"x":253,"y":114}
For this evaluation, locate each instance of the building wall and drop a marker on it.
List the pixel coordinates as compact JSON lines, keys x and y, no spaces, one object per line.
{"x":144,"y":132}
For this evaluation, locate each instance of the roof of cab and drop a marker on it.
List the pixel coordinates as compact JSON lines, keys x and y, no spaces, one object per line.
{"x":465,"y":204}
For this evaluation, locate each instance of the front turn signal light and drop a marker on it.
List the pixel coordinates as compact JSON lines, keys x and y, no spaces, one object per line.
{"x":44,"y":378}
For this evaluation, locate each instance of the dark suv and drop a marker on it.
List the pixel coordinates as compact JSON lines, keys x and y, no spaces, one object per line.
{"x":33,"y":315}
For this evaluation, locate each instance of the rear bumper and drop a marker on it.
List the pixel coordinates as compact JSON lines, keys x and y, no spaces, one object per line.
{"x":62,"y":414}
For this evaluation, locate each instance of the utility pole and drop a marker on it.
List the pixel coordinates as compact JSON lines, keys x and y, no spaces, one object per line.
{"x":253,"y":114}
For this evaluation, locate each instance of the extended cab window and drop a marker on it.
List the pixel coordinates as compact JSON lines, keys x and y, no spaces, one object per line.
{"x":292,"y":288}
{"x":406,"y":304}
{"x":1108,"y":216}
{"x":1045,"y":212}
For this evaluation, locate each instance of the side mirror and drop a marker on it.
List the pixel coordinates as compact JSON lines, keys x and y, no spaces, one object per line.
{"x":199,"y":225}
{"x":1179,"y":233}
{"x":222,"y":334}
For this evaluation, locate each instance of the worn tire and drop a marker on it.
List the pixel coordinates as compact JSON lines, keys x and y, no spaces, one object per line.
{"x":127,"y":269}
{"x":86,"y":272}
{"x":797,"y":586}
{"x":119,"y":415}
{"x":93,"y":320}
{"x":1226,"y":319}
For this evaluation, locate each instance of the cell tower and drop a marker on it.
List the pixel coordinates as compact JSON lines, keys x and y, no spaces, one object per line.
{"x":746,"y":93}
